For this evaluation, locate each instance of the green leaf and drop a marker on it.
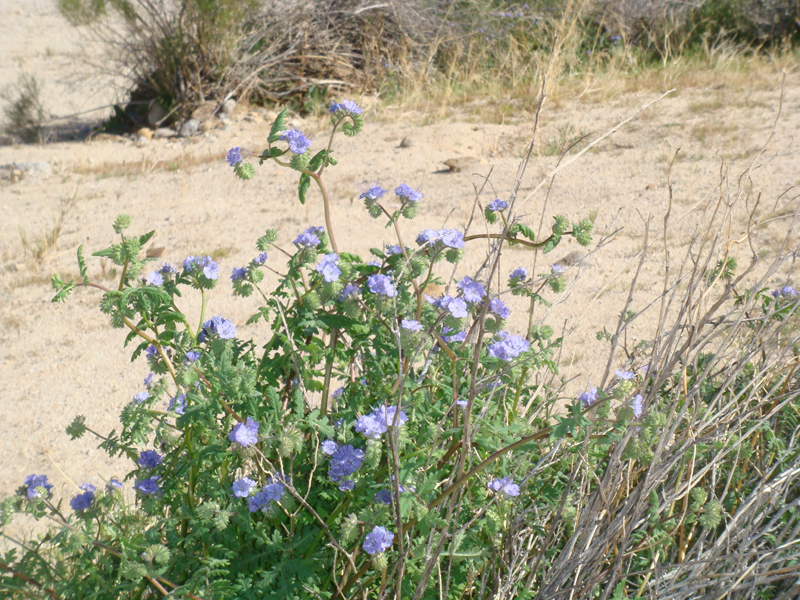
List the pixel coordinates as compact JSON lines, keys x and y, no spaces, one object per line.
{"x":278,"y":125}
{"x":143,"y":239}
{"x":82,"y":264}
{"x":302,"y":187}
{"x":552,"y":242}
{"x":77,"y":428}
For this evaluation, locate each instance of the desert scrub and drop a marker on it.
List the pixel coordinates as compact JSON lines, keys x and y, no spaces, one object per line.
{"x":386,"y":442}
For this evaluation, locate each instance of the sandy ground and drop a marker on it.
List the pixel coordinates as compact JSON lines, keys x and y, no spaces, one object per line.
{"x":57,"y":361}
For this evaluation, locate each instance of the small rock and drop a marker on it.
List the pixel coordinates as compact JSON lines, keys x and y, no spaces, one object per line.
{"x":406,"y":142}
{"x":650,"y":186}
{"x":204,"y":111}
{"x":145,"y":132}
{"x":456,"y":165}
{"x":164,"y":132}
{"x":229,"y":105}
{"x":250,"y":117}
{"x":156,"y":252}
{"x":156,"y":114}
{"x":36,"y":168}
{"x":189,"y":128}
{"x":573,"y":258}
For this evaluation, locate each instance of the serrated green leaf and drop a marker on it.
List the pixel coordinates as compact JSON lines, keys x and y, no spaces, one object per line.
{"x":302,"y":187}
{"x":82,"y":264}
{"x":143,"y":239}
{"x":278,"y":125}
{"x":551,"y":243}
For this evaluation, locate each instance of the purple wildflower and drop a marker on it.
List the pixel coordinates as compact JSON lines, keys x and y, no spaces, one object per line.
{"x":141,"y":397}
{"x":410,"y":325}
{"x":557,"y":269}
{"x":452,"y":238}
{"x":210,"y":268}
{"x":384,"y":497}
{"x":234,"y":156}
{"x":637,"y":406}
{"x":261,"y":258}
{"x":473,"y":291}
{"x":245,"y":434}
{"x":217,"y":326}
{"x":381,"y":284}
{"x":148,"y":486}
{"x":407,"y":193}
{"x":392,"y":250}
{"x":509,"y":347}
{"x":458,"y":308}
{"x":505,"y":485}
{"x":518,"y":275}
{"x":344,"y":462}
{"x":167,"y":269}
{"x":370,"y":425}
{"x":309,"y":238}
{"x":428,"y":236}
{"x":178,"y":404}
{"x":328,"y":269}
{"x":497,"y":307}
{"x":242,"y":487}
{"x":238,"y":273}
{"x":625,"y":375}
{"x":298,"y":143}
{"x":36,"y":481}
{"x":350,"y":292}
{"x":498,"y":205}
{"x":84,"y":500}
{"x":346,"y":485}
{"x":329,"y":447}
{"x":149,"y":459}
{"x":155,"y":278}
{"x":378,"y":540}
{"x":191,"y":356}
{"x":148,"y":380}
{"x":588,"y":397}
{"x":114,"y":484}
{"x":372,"y":194}
{"x":338,"y":393}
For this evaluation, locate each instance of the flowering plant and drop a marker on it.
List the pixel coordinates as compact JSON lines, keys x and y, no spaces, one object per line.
{"x":380,"y":434}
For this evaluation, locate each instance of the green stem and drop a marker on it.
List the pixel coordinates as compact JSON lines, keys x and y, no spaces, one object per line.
{"x":328,"y":370}
{"x":202,"y":310}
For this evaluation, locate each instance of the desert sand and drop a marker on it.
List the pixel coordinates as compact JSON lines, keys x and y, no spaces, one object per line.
{"x":60,"y":360}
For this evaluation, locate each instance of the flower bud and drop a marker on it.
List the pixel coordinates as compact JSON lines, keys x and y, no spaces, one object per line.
{"x":291,"y":441}
{"x":349,"y":528}
{"x":379,"y":561}
{"x":373,"y":454}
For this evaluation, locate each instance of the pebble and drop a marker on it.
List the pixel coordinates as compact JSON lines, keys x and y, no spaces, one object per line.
{"x":406,"y":142}
{"x":189,"y":128}
{"x":164,"y":132}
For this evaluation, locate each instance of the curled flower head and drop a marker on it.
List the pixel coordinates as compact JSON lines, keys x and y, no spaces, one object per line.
{"x":382,"y":285}
{"x":406,"y":192}
{"x":498,"y":205}
{"x":298,"y":143}
{"x":261,"y":258}
{"x":238,"y":273}
{"x":149,"y":459}
{"x":241,"y":488}
{"x":34,"y":485}
{"x":167,"y":269}
{"x":472,"y":290}
{"x":497,"y":307}
{"x":155,"y":278}
{"x":191,"y":356}
{"x":344,"y":462}
{"x":410,"y":325}
{"x":328,"y":269}
{"x":245,"y":434}
{"x":505,"y":485}
{"x":346,"y":106}
{"x":588,"y":397}
{"x":378,"y":540}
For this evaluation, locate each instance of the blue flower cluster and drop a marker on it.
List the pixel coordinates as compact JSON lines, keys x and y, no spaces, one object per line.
{"x":345,"y":106}
{"x":298,"y":143}
{"x":205,"y":264}
{"x":450,"y":238}
{"x":32,"y":482}
{"x":245,"y":434}
{"x":508,"y":347}
{"x":271,"y":492}
{"x":328,"y":269}
{"x":217,"y":326}
{"x":505,"y":485}
{"x":309,"y":238}
{"x":376,"y":423}
{"x":345,"y":461}
{"x":84,"y":500}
